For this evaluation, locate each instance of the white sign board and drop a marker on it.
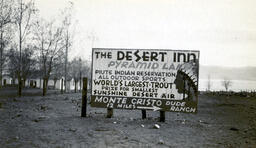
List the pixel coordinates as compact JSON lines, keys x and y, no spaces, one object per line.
{"x":164,"y":80}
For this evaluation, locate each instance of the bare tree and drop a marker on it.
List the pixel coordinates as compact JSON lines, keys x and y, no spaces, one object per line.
{"x":92,"y":36}
{"x":28,"y":63}
{"x":67,"y":35}
{"x":80,"y":74}
{"x":23,"y":18}
{"x":57,"y":72}
{"x":6,"y":16}
{"x":75,"y":71}
{"x":50,"y":45}
{"x":209,"y":83}
{"x":86,"y":69}
{"x":13,"y":63}
{"x":226,"y":83}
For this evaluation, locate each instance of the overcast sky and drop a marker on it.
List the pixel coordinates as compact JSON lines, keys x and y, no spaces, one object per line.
{"x":223,"y":30}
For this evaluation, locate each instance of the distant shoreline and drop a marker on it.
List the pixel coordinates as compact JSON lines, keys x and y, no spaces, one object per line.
{"x":237,"y":85}
{"x":232,"y":73}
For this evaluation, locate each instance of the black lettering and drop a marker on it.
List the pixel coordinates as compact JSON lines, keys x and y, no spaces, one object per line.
{"x":154,"y":56}
{"x":194,"y":57}
{"x":137,"y":55}
{"x":145,"y":56}
{"x":128,"y":56}
{"x":183,"y":56}
{"x":120,"y":55}
{"x":162,"y":55}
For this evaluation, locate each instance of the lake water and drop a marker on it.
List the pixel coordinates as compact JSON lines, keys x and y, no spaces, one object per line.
{"x":236,"y":85}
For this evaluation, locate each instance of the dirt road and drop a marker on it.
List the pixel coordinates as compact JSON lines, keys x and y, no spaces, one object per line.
{"x":54,"y":121}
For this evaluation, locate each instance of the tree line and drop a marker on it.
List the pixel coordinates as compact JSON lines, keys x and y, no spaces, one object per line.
{"x":33,"y":47}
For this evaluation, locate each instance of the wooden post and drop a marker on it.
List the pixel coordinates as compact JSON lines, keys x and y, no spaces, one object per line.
{"x":84,"y":98}
{"x":109,"y":112}
{"x":162,"y":116}
{"x":61,"y":90}
{"x":144,"y":114}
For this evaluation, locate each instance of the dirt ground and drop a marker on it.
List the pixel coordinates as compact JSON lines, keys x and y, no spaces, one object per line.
{"x":54,"y":121}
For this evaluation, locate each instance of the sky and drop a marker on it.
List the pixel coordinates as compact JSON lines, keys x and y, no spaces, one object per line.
{"x":224,"y":31}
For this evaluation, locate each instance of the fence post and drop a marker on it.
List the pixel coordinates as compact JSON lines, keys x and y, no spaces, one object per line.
{"x":61,"y":90}
{"x":109,"y":112}
{"x":162,"y":116}
{"x":144,"y":114}
{"x":84,"y":98}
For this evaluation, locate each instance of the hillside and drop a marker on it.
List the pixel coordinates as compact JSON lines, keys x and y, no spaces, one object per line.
{"x":232,"y":73}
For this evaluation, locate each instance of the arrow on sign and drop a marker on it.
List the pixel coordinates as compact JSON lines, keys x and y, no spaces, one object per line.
{"x":154,"y":108}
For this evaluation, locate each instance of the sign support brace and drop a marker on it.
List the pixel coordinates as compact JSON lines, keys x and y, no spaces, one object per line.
{"x":144,"y":114}
{"x":109,"y":112}
{"x":162,"y":116}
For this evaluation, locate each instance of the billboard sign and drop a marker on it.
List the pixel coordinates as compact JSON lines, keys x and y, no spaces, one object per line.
{"x":159,"y":80}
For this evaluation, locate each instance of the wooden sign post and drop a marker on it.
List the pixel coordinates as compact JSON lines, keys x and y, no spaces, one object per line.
{"x":84,"y":98}
{"x":162,"y":116}
{"x":144,"y":114}
{"x":109,"y":112}
{"x":61,"y":91}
